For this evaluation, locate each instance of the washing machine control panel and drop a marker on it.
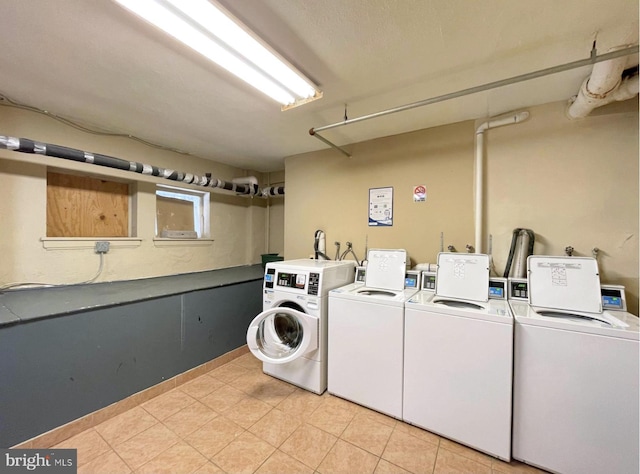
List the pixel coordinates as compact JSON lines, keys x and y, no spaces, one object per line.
{"x":518,"y":289}
{"x":291,"y":280}
{"x":428,"y":281}
{"x":498,"y":288}
{"x":613,"y":297}
{"x":307,"y":282}
{"x":412,"y":280}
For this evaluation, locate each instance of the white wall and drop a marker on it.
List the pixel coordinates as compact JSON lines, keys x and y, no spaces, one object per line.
{"x":237,"y":223}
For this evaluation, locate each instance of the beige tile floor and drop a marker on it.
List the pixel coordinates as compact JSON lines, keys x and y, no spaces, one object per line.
{"x":235,"y":419}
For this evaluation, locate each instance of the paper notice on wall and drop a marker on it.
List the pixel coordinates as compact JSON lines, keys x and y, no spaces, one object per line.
{"x":381,"y":207}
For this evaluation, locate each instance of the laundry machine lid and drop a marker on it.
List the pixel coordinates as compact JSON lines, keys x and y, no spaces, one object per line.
{"x":463,"y":276}
{"x":618,"y":324}
{"x":386,"y":269}
{"x":497,"y":311}
{"x":564,"y":283}
{"x":280,"y":335}
{"x":593,"y":319}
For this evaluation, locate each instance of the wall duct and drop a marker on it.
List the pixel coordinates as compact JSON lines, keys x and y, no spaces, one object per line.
{"x":25,"y":145}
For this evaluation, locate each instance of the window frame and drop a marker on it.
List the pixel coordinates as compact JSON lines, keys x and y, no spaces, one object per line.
{"x":201,"y":209}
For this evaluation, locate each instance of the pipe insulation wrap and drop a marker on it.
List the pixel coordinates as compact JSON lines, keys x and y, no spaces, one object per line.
{"x":246,"y":180}
{"x":605,"y":77}
{"x":603,"y":86}
{"x":25,"y":145}
{"x":273,"y":191}
{"x":585,"y":101}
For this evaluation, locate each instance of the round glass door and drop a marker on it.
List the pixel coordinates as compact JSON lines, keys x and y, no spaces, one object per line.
{"x":282,"y":334}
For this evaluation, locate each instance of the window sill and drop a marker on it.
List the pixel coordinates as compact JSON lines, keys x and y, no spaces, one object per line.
{"x":164,"y":242}
{"x":57,"y":243}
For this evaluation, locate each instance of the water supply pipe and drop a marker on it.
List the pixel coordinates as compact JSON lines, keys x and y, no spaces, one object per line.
{"x":495,"y":122}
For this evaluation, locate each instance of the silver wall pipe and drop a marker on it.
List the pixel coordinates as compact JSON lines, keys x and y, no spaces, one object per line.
{"x":313,"y":133}
{"x":484,"y":87}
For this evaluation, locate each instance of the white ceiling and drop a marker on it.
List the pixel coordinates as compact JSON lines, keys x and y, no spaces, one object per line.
{"x":95,"y":63}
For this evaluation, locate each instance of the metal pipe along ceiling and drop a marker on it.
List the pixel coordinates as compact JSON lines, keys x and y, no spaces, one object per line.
{"x":25,"y":145}
{"x":593,"y":59}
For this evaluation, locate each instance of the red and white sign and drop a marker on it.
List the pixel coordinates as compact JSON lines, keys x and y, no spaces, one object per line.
{"x":419,"y":193}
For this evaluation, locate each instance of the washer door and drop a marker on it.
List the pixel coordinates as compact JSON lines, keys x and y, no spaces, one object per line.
{"x":282,"y":334}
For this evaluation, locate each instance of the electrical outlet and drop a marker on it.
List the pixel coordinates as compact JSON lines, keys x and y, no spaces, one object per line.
{"x":102,"y":247}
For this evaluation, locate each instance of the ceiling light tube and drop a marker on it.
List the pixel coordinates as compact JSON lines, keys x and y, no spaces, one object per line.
{"x":218,"y":23}
{"x":208,"y":30}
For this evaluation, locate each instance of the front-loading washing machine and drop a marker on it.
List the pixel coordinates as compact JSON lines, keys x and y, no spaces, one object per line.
{"x":366,"y":334}
{"x":458,"y":356}
{"x":576,"y":372}
{"x":290,"y":335}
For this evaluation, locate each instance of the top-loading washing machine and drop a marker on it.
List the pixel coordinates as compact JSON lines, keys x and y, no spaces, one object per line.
{"x":576,"y":371}
{"x":290,"y":335}
{"x":458,"y":356}
{"x":366,"y":332}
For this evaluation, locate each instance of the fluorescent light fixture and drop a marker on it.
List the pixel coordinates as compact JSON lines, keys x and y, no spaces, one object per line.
{"x":211,"y":31}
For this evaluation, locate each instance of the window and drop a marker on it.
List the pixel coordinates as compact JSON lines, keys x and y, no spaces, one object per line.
{"x":80,"y":206}
{"x":181,"y":213}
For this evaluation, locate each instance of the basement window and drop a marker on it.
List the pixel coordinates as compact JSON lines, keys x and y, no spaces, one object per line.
{"x":82,"y":206}
{"x":181,"y":213}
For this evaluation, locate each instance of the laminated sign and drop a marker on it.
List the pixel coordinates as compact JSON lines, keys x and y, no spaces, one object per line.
{"x":381,"y":207}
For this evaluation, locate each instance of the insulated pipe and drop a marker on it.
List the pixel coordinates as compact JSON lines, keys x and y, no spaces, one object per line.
{"x":479,"y":164}
{"x":272,"y":191}
{"x":600,"y":87}
{"x":25,"y":145}
{"x":628,"y":88}
{"x":588,"y":99}
{"x":246,"y":180}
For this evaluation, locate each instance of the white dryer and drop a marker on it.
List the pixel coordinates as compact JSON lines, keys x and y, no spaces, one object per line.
{"x":366,"y":333}
{"x":290,"y":335}
{"x":576,"y":372}
{"x":458,"y":356}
